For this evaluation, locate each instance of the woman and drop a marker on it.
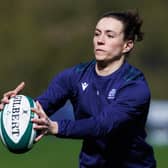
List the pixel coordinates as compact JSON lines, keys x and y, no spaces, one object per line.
{"x":110,"y":99}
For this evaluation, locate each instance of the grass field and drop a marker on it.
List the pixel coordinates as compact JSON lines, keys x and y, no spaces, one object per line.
{"x":52,"y":152}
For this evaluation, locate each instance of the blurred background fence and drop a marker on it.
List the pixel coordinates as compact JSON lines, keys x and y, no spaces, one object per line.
{"x":39,"y":38}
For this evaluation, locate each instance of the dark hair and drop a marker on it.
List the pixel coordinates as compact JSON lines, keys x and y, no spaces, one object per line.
{"x":131,"y":21}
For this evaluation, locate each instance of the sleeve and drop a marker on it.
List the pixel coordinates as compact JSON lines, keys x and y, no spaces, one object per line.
{"x":57,"y":93}
{"x":129,"y":110}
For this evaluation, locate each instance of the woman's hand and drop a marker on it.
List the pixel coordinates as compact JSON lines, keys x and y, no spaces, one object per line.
{"x":43,"y":124}
{"x":9,"y":94}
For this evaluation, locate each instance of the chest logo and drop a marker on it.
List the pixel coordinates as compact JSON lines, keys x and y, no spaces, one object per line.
{"x":111,"y":94}
{"x":84,"y":85}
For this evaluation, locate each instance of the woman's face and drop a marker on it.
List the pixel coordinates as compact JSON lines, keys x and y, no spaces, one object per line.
{"x":108,"y":41}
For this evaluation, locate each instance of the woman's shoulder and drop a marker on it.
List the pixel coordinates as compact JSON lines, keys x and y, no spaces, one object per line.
{"x":134,"y":83}
{"x":132,"y":73}
{"x":82,"y":67}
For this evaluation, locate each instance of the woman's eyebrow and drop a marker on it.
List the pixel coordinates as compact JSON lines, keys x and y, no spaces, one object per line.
{"x":108,"y":31}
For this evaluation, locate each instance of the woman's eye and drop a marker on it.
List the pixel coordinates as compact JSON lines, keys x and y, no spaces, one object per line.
{"x":110,"y":36}
{"x":96,"y":33}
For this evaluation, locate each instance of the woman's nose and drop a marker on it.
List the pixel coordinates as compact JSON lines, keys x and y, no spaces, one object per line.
{"x":101,"y":39}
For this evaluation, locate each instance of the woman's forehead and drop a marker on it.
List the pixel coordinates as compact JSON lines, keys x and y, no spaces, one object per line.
{"x":110,"y":24}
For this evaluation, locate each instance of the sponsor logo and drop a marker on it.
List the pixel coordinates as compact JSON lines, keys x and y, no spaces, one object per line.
{"x":84,"y":85}
{"x":15,"y":115}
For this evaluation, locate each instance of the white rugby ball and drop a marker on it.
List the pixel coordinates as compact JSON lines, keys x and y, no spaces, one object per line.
{"x":16,"y":128}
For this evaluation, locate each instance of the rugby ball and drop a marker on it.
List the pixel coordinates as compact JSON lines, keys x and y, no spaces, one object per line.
{"x":16,"y":128}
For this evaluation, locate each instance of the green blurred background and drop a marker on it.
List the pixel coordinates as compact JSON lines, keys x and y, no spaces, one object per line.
{"x":39,"y":38}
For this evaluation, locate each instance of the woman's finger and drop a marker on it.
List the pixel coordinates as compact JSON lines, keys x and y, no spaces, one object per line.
{"x":39,"y":110}
{"x":10,"y":94}
{"x":40,"y":127}
{"x":41,"y":121}
{"x":1,"y":106}
{"x":14,"y":92}
{"x":40,"y":136}
{"x":19,"y":87}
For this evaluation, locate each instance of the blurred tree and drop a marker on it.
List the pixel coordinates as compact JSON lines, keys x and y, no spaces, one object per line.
{"x":42,"y":38}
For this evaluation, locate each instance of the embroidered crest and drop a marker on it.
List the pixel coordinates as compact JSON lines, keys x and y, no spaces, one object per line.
{"x":112,"y":94}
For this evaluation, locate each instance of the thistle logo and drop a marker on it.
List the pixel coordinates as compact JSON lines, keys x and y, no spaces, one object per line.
{"x":112,"y":94}
{"x":84,"y":85}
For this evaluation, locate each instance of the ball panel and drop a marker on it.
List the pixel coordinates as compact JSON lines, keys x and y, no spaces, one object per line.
{"x":33,"y":115}
{"x":11,"y":145}
{"x":16,"y":117}
{"x":19,"y":135}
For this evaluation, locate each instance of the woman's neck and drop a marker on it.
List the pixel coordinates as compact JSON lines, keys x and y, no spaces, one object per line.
{"x":107,"y":68}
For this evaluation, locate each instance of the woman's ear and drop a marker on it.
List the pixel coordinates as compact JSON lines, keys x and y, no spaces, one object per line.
{"x":128,"y":46}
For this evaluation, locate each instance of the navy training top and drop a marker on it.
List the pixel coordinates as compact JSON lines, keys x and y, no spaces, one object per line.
{"x":110,"y":115}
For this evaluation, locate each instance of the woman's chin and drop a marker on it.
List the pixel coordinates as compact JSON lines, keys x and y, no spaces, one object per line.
{"x":100,"y":58}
